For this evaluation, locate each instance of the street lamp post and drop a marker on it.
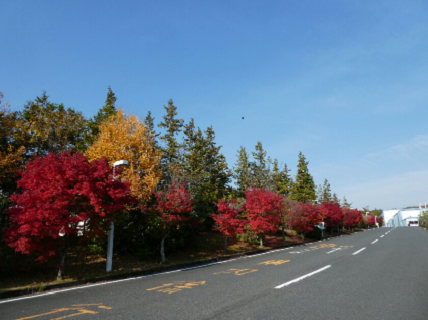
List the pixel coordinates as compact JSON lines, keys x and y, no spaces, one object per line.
{"x":111,"y":233}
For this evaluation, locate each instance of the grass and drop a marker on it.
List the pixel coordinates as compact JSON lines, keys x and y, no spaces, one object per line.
{"x":18,"y":271}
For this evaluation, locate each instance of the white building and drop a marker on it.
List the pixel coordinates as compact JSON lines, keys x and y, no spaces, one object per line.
{"x":402,"y":218}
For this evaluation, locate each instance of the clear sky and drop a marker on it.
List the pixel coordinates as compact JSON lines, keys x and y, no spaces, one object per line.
{"x":345,"y":82}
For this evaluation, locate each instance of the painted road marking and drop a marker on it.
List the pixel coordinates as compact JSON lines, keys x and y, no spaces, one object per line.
{"x":301,"y":278}
{"x":238,"y":272}
{"x":176,"y":286}
{"x":374,"y":241}
{"x":358,"y":251}
{"x":82,"y":287}
{"x":78,"y":307}
{"x":276,"y":263}
{"x":334,"y":250}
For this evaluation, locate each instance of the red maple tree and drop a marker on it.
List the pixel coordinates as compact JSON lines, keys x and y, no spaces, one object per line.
{"x":330,"y":213}
{"x":263,"y":212}
{"x":227,"y":221}
{"x":369,"y":220}
{"x":63,"y":197}
{"x":304,"y":219}
{"x":172,"y":209}
{"x":352,"y":217}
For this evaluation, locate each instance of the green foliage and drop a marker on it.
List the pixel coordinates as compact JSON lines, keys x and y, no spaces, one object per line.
{"x":345,"y":203}
{"x":50,"y":128}
{"x":242,"y":172}
{"x":205,"y":169}
{"x":173,"y":127}
{"x":423,"y":219}
{"x":97,"y":249}
{"x":93,"y":125}
{"x":335,"y":199}
{"x":260,"y":167}
{"x":303,"y":189}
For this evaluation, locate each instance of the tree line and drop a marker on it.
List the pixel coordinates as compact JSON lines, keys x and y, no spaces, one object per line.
{"x":58,"y":187}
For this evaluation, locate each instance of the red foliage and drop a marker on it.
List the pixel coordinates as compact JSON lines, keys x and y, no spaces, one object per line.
{"x":263,"y":210}
{"x":227,"y":222}
{"x":352,"y":217}
{"x":369,"y":220}
{"x":330,"y":213}
{"x":58,"y":192}
{"x":172,"y":207}
{"x":380,"y":221}
{"x":305,"y":218}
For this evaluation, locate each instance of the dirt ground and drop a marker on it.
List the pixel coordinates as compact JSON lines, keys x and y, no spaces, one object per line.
{"x":19,"y":271}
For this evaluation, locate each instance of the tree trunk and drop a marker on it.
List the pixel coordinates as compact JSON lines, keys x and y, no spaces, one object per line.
{"x":303,"y":237}
{"x":60,"y":275}
{"x":162,"y":251}
{"x":283,"y":233}
{"x":225,"y":245}
{"x":261,"y":241}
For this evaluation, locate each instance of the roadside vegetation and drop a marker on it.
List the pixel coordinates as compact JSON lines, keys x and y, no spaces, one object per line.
{"x":176,"y":200}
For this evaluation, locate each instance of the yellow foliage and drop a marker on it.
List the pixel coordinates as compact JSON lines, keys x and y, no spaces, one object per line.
{"x":10,"y":159}
{"x":10,"y":163}
{"x":125,"y":137}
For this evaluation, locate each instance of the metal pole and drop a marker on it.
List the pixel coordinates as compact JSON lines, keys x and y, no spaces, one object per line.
{"x":109,"y":262}
{"x":110,"y":248}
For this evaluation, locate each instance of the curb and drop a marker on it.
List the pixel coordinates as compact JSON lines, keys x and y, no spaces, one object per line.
{"x":33,"y":291}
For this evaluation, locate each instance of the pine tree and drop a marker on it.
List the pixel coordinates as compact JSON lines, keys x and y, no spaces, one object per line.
{"x":173,"y":127}
{"x":303,"y":189}
{"x":242,"y":172}
{"x":335,"y":199}
{"x":345,"y":203}
{"x":49,"y":127}
{"x":93,"y":125}
{"x":326,"y":192}
{"x":205,"y":169}
{"x":280,"y":180}
{"x":286,"y":182}
{"x":260,"y":167}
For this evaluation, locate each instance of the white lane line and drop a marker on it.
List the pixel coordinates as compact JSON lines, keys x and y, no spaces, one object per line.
{"x":382,"y":236}
{"x":374,"y":241}
{"x":358,"y":251}
{"x":301,"y":278}
{"x":333,"y":250}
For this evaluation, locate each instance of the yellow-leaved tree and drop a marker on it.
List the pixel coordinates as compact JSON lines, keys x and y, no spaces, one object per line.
{"x":126,"y":137}
{"x":11,"y":154}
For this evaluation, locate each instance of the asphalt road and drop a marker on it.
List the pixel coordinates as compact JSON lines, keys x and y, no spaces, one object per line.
{"x":377,"y":274}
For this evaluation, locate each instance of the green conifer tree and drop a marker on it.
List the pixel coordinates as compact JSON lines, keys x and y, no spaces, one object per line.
{"x":93,"y":125}
{"x":280,"y":180}
{"x":205,"y":168}
{"x":335,"y":199}
{"x":326,"y":192}
{"x":173,"y":127}
{"x":260,"y":167}
{"x":345,"y":203}
{"x":242,"y":172}
{"x":303,"y":189}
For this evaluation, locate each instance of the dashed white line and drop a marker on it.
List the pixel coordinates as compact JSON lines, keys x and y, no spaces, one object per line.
{"x":358,"y":251}
{"x":374,"y":241}
{"x":301,"y":278}
{"x":333,"y":250}
{"x":382,"y":236}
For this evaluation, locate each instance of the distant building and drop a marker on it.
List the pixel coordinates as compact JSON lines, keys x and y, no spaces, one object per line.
{"x":402,"y":218}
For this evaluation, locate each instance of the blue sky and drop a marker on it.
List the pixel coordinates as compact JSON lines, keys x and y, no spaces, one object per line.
{"x":345,"y":82}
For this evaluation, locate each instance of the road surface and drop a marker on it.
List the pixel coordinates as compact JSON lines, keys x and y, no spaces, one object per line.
{"x":376,"y":274}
